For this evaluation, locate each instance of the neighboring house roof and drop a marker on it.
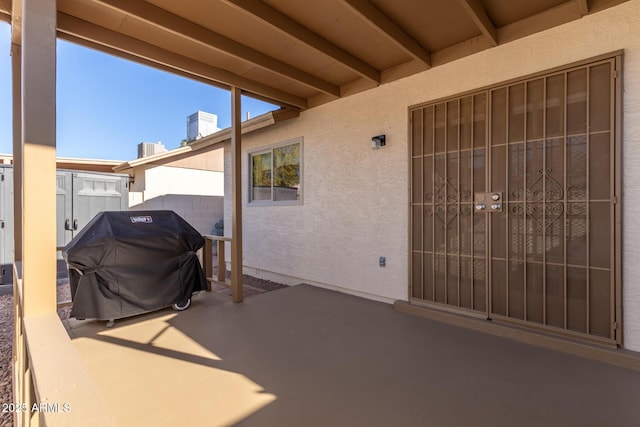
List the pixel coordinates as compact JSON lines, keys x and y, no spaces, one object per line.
{"x":209,"y":142}
{"x":91,"y":165}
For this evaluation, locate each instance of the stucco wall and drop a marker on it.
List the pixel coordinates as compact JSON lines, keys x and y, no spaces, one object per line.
{"x":356,"y":199}
{"x":195,"y":195}
{"x":161,"y":180}
{"x":202,"y":212}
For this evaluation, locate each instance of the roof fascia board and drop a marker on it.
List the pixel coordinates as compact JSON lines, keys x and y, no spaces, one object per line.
{"x":210,"y":141}
{"x":544,"y":20}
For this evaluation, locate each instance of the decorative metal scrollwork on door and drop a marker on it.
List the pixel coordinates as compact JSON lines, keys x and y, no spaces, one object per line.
{"x":447,"y":199}
{"x":544,"y":191}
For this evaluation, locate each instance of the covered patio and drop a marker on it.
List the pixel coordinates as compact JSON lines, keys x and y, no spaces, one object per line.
{"x":304,"y":356}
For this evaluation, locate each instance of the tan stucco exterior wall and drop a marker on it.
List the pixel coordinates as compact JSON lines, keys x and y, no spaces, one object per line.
{"x":355,"y":206}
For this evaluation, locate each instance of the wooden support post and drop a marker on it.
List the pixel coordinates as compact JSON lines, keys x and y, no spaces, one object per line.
{"x":16,"y":75}
{"x":207,"y":254}
{"x":38,"y":187}
{"x":236,"y":196}
{"x":222,"y":266}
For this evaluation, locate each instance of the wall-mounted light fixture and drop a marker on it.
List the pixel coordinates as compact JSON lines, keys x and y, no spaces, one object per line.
{"x":378,"y":141}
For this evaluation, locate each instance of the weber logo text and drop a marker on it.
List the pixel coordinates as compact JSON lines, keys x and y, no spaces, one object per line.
{"x":145,"y":219}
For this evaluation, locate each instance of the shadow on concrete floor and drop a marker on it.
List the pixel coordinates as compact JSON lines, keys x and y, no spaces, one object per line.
{"x":313,"y":357}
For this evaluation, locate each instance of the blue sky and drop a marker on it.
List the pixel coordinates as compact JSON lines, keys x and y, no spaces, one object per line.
{"x":107,"y":105}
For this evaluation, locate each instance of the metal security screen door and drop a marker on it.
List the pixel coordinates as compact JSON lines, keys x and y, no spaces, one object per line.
{"x":513,"y":211}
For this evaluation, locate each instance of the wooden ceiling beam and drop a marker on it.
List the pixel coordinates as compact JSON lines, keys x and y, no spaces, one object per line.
{"x":184,"y":28}
{"x":281,"y":22}
{"x":178,"y":72}
{"x":584,"y":7}
{"x":5,"y":10}
{"x":478,"y":14}
{"x":137,"y":59}
{"x":72,"y":27}
{"x":382,"y":23}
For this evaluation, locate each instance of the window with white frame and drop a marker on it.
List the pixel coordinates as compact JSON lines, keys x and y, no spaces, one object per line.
{"x":276,"y":174}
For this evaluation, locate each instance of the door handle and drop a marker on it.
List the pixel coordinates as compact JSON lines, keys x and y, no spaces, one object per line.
{"x":67,"y":225}
{"x":75,"y":224}
{"x":488,"y":202}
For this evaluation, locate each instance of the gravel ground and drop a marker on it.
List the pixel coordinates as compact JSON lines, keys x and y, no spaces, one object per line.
{"x":6,"y":345}
{"x":251,"y":286}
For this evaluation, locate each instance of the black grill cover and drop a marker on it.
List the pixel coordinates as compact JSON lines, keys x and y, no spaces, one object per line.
{"x":130,"y":262}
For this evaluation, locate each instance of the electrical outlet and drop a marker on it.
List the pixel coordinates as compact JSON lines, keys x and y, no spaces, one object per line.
{"x":382,"y":261}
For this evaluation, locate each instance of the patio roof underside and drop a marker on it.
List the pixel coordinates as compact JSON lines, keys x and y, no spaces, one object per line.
{"x":300,"y":54}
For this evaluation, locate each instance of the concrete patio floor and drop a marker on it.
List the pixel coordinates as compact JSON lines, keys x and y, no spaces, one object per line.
{"x":305,"y":356}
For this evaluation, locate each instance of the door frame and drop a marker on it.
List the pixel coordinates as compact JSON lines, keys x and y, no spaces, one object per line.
{"x":616,"y":121}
